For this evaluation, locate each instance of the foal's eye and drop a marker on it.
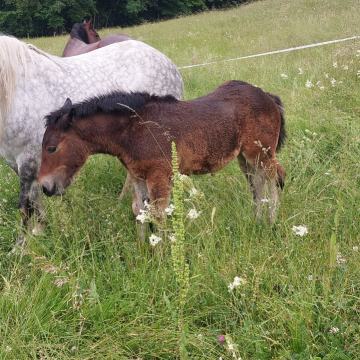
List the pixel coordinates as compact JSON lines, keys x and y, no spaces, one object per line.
{"x":51,"y":149}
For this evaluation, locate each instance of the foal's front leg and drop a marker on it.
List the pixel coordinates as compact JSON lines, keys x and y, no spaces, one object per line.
{"x":140,"y":197}
{"x":159,"y":187}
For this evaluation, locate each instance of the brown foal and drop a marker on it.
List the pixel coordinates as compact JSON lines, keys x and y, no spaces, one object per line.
{"x":237,"y":120}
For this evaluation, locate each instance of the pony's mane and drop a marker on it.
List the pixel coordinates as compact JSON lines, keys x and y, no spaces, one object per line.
{"x":14,"y":59}
{"x":117,"y":102}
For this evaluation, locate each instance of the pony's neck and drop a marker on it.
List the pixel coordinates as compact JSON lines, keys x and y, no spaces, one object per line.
{"x":103,"y":133}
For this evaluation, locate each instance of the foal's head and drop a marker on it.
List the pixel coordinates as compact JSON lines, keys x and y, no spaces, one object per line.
{"x":63,"y":152}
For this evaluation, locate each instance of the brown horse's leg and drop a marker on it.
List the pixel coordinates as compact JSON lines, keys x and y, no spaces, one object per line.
{"x":158,"y":184}
{"x":276,"y":181}
{"x":140,"y":196}
{"x":126,"y":187}
{"x":275,"y":176}
{"x":256,"y":179}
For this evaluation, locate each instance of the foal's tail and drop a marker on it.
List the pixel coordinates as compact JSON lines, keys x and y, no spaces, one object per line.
{"x":282,"y":134}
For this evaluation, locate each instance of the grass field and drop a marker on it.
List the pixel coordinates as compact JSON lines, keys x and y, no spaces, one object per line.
{"x":89,"y":289}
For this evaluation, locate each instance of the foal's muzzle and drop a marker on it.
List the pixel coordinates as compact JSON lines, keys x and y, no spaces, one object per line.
{"x":48,"y":191}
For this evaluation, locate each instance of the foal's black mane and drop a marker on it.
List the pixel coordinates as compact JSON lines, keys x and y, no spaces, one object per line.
{"x":78,"y":32}
{"x":117,"y":102}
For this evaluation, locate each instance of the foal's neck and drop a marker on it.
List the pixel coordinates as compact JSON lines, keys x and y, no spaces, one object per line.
{"x":103,"y":133}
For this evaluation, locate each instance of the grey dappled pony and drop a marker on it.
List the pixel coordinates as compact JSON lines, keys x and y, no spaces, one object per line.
{"x":34,"y":83}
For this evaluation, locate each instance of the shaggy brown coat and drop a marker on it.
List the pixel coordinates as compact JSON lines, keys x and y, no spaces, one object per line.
{"x":237,"y":120}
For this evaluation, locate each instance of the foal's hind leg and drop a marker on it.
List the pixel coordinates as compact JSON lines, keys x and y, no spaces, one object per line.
{"x":257,"y":180}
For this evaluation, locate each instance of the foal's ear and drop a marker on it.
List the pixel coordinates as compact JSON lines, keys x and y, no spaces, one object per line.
{"x":67,"y":105}
{"x":67,"y":115}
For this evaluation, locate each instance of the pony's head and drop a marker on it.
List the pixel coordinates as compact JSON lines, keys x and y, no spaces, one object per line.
{"x":78,"y":32}
{"x":63,"y":151}
{"x":91,"y":33}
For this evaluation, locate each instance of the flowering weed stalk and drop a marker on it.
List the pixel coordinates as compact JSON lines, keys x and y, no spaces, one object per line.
{"x":180,"y":266}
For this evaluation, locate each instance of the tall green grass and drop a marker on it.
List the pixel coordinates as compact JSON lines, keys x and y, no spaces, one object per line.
{"x":89,"y":289}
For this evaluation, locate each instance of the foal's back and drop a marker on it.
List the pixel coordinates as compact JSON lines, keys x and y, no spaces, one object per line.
{"x":233,"y":108}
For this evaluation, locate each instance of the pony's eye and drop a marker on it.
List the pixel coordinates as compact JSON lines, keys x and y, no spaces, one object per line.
{"x":51,"y":149}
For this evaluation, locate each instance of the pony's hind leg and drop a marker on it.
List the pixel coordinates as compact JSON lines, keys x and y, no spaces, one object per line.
{"x":257,"y":180}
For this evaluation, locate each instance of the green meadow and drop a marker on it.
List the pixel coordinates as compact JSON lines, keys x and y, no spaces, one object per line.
{"x":88,"y":288}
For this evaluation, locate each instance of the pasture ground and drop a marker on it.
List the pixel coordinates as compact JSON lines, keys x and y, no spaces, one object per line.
{"x":88,"y":289}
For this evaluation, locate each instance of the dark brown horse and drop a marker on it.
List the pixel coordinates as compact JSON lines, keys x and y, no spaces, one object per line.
{"x":84,"y":38}
{"x":237,"y":120}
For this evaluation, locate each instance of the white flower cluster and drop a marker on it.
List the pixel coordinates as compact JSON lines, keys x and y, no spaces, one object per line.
{"x":193,"y":214}
{"x":340,"y":260}
{"x":334,"y":330}
{"x":145,"y":214}
{"x":300,"y":230}
{"x":154,"y":240}
{"x":236,"y":283}
{"x":170,"y":209}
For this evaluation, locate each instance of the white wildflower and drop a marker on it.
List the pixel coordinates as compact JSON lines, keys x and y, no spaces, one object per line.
{"x":310,"y":277}
{"x":264,"y":200}
{"x":309,"y":84}
{"x":154,"y":240}
{"x":328,"y":173}
{"x":284,"y":76}
{"x":300,"y":230}
{"x":172,"y":237}
{"x":236,"y":283}
{"x":333,"y":330}
{"x":355,"y":248}
{"x":169,"y":210}
{"x":340,"y":260}
{"x":193,"y":214}
{"x":143,"y":216}
{"x":333,"y":82}
{"x":193,"y":192}
{"x":335,"y":64}
{"x":8,"y":348}
{"x":301,"y":71}
{"x":327,"y":75}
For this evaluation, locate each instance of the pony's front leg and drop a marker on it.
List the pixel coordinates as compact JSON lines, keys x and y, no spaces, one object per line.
{"x":30,"y":201}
